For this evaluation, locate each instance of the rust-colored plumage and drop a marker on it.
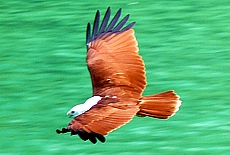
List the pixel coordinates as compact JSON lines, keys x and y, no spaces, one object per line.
{"x":118,"y":76}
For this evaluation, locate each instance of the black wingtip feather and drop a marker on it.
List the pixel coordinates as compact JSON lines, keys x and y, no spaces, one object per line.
{"x":83,"y":135}
{"x":121,"y":23}
{"x":105,"y":21}
{"x":64,"y":130}
{"x":105,"y":28}
{"x":100,"y":137}
{"x":114,"y":21}
{"x":88,"y":34}
{"x":128,"y":26}
{"x":96,"y":25}
{"x":92,"y":138}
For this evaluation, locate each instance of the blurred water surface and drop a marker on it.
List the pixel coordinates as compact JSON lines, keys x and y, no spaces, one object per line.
{"x":185,"y":46}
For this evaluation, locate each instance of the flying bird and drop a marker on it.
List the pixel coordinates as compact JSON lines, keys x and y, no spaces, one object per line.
{"x":118,"y":79}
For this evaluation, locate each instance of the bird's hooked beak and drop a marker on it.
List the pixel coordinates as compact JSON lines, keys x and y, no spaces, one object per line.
{"x":69,"y":114}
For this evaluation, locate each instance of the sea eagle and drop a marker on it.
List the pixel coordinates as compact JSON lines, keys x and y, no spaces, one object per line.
{"x":118,"y":79}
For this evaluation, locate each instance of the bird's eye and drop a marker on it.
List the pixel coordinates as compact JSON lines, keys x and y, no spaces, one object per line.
{"x":72,"y":112}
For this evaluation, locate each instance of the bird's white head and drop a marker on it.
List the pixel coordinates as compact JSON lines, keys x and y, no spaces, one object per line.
{"x":81,"y":108}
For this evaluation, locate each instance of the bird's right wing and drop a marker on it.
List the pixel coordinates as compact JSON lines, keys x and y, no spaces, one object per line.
{"x":113,"y":60}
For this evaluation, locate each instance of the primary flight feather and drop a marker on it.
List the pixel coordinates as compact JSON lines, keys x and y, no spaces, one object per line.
{"x":118,"y":79}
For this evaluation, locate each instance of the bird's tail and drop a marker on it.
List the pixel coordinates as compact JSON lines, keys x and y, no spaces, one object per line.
{"x":162,"y":105}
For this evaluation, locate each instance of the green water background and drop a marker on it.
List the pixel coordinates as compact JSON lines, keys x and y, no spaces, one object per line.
{"x":185,"y":45}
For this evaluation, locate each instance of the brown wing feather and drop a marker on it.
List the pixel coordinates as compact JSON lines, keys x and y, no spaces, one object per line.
{"x":113,"y":61}
{"x":107,"y":115}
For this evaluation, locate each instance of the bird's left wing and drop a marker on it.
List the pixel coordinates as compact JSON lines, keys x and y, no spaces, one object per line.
{"x":106,"y":116}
